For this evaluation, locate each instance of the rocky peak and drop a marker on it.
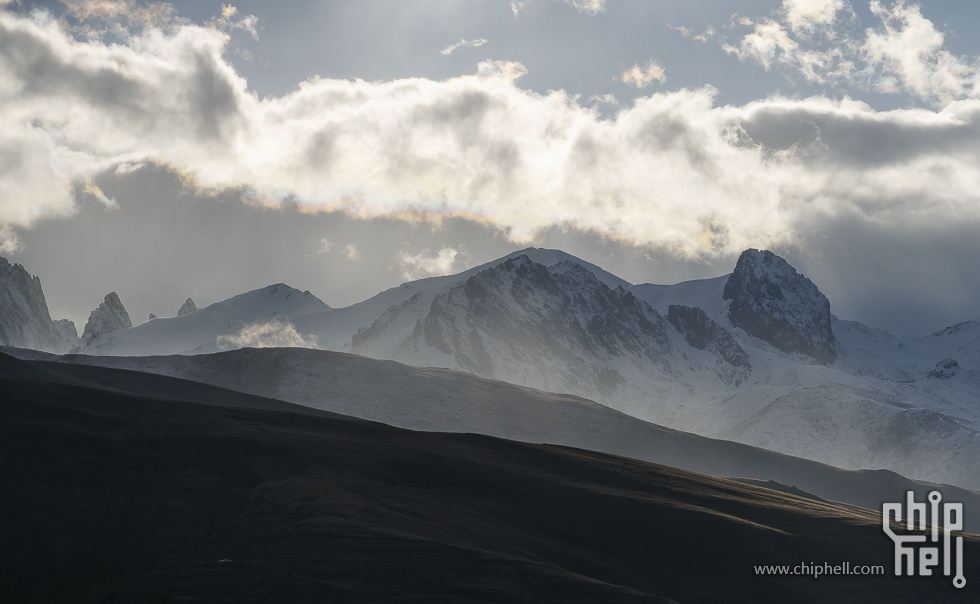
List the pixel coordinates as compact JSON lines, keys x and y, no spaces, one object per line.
{"x":109,"y":316}
{"x":24,"y":318}
{"x":773,"y":302}
{"x":187,"y":308}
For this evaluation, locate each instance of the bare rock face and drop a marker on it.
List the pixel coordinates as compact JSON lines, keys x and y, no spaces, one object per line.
{"x":109,"y":316}
{"x":24,"y":318}
{"x":187,"y":308}
{"x":945,"y":369}
{"x":704,"y":334}
{"x":773,"y":302}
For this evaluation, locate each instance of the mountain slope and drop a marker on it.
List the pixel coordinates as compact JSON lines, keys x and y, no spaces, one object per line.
{"x":128,"y":498}
{"x":251,"y":319}
{"x":24,"y":318}
{"x":554,"y":328}
{"x":448,"y":401}
{"x":755,"y":356}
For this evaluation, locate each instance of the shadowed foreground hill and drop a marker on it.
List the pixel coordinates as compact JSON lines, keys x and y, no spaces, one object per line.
{"x":113,"y":497}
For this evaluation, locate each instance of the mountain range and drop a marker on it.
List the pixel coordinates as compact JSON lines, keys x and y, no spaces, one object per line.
{"x":748,"y":376}
{"x":755,"y":356}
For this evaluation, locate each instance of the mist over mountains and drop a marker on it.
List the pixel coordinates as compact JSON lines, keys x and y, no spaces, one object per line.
{"x":754,"y":357}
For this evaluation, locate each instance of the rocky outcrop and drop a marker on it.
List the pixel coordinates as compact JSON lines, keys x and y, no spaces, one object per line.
{"x":944,"y":369}
{"x":187,"y":308}
{"x":24,"y":318}
{"x":773,"y":302}
{"x":704,"y":334}
{"x":109,"y":316}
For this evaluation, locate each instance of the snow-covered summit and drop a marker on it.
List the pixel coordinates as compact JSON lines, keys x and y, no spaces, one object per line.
{"x":558,"y":328}
{"x":773,"y":302}
{"x":24,"y":318}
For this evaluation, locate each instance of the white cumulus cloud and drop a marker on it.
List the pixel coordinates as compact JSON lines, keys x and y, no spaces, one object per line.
{"x":807,"y":15}
{"x":643,"y":76}
{"x":672,"y":170}
{"x":907,"y":46}
{"x":902,"y":51}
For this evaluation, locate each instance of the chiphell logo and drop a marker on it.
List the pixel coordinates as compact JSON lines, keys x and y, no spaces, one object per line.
{"x":907,"y":546}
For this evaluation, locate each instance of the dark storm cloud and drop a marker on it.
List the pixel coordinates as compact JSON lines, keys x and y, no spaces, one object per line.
{"x":866,"y":138}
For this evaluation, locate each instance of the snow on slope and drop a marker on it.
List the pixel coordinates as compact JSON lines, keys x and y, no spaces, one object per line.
{"x":199,"y":331}
{"x":557,"y":329}
{"x":703,"y":293}
{"x":337,"y":331}
{"x":905,"y":404}
{"x":513,"y":322}
{"x":24,"y":317}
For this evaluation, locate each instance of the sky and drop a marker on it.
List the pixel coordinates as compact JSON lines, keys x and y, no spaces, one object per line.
{"x":203,"y":149}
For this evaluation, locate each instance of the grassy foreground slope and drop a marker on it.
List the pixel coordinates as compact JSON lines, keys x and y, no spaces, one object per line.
{"x":114,"y":497}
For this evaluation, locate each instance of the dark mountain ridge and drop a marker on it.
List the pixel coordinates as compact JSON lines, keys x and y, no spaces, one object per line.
{"x":130,"y":498}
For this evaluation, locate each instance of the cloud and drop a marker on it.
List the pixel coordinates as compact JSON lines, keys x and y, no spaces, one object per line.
{"x":150,"y":14}
{"x":583,"y":6}
{"x":351,"y":251}
{"x":471,"y":43}
{"x":605,"y":99}
{"x":687,"y":32}
{"x":672,"y":170}
{"x":116,"y":20}
{"x":92,"y":189}
{"x":10,"y":241}
{"x":769,"y":43}
{"x":503,"y":71}
{"x":325,"y":246}
{"x":643,"y":76}
{"x":271,"y":334}
{"x":807,"y":15}
{"x":902,"y":52}
{"x":230,"y":20}
{"x":588,"y":6}
{"x":909,"y":48}
{"x":424,"y":264}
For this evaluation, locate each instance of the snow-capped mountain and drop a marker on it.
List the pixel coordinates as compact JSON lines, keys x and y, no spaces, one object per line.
{"x":754,"y":356}
{"x":554,"y":328}
{"x":24,"y":318}
{"x":751,"y":357}
{"x":257,"y":318}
